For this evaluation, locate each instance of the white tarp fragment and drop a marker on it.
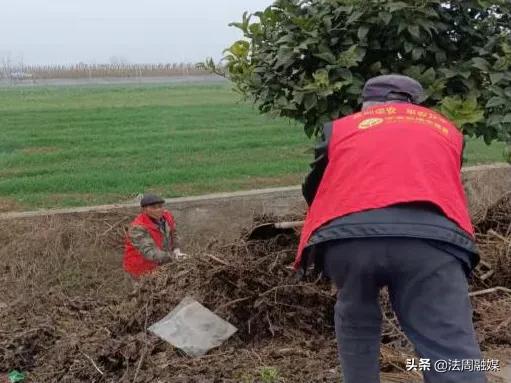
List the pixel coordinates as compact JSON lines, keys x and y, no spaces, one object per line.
{"x":193,"y":328}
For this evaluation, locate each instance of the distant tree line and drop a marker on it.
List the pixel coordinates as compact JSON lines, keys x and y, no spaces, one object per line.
{"x":82,"y":70}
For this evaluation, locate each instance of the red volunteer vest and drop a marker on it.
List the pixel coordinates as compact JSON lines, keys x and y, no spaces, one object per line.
{"x":134,"y":262}
{"x":386,"y":155}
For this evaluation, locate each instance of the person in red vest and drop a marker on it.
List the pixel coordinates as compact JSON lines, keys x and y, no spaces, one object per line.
{"x":387,"y":208}
{"x":151,"y":240}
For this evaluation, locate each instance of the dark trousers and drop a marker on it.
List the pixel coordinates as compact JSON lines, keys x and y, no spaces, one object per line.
{"x":429,"y":293}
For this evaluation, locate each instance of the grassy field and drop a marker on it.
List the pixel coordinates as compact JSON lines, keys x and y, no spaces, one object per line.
{"x":69,"y":146}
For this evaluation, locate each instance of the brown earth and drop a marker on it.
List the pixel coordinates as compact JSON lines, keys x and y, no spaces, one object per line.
{"x":69,"y":314}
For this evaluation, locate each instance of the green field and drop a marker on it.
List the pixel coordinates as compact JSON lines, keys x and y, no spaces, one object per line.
{"x":70,"y":146}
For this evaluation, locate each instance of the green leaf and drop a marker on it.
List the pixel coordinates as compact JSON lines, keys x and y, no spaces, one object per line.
{"x":362,"y":32}
{"x":414,"y":71}
{"x":355,"y":16}
{"x":448,"y":73}
{"x":401,"y":27}
{"x":289,"y":38}
{"x":495,"y":102}
{"x":414,"y":30}
{"x":428,"y":26}
{"x":376,"y":67}
{"x":501,"y":64}
{"x":240,"y":48}
{"x":298,"y":97}
{"x":327,"y":22}
{"x":350,"y":57}
{"x":497,"y":91}
{"x":284,"y":60}
{"x":440,"y":57}
{"x":255,"y":29}
{"x":408,"y":46}
{"x":417,"y":53}
{"x":345,"y":110}
{"x":436,"y":89}
{"x":310,"y":101}
{"x":506,"y":47}
{"x":244,"y":24}
{"x":462,"y":111}
{"x":341,"y":73}
{"x":321,"y":78}
{"x":397,"y":6}
{"x":507,"y":119}
{"x":481,"y":64}
{"x":497,"y":77}
{"x":465,"y":74}
{"x":326,"y":56}
{"x":386,"y":17}
{"x":494,"y":120}
{"x":325,"y":93}
{"x":429,"y":76}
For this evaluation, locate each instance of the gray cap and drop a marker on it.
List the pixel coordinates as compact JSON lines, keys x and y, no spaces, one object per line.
{"x":150,"y":199}
{"x":379,"y":88}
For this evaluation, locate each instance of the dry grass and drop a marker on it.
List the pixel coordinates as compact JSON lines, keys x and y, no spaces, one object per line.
{"x":70,"y":315}
{"x":8,"y":204}
{"x":106,"y":70}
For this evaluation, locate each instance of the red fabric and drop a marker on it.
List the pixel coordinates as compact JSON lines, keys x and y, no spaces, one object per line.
{"x":134,"y":262}
{"x":387,"y":155}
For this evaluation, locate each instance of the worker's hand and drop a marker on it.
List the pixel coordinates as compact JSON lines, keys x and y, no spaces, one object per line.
{"x":178,"y":255}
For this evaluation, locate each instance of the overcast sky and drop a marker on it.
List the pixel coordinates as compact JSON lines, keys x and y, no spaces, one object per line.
{"x":143,"y":31}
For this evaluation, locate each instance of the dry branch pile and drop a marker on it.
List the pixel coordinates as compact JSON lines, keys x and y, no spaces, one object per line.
{"x":68,"y":313}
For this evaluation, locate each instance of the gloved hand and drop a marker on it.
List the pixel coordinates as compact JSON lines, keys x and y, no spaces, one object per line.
{"x":178,"y":255}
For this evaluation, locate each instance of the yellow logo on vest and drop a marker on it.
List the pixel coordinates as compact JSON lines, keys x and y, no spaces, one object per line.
{"x":370,"y":122}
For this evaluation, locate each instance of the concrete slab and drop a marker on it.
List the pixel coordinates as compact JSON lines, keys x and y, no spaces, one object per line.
{"x":193,"y":328}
